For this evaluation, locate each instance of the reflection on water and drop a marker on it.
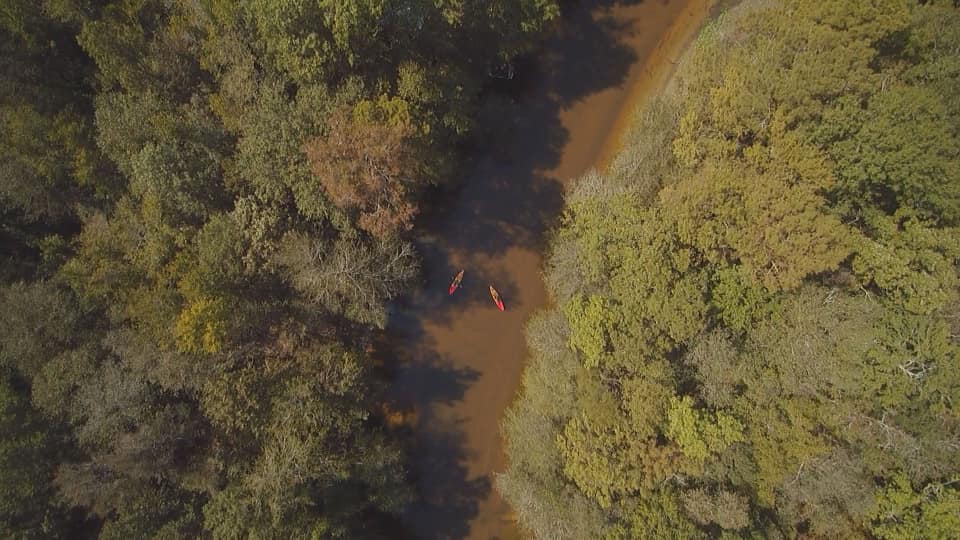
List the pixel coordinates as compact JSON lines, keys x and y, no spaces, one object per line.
{"x":457,"y":360}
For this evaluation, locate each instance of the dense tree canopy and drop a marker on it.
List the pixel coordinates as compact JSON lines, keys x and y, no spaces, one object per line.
{"x":205,"y":207}
{"x":755,"y":331}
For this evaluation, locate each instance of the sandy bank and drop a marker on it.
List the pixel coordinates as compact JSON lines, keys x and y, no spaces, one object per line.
{"x":653,"y":75}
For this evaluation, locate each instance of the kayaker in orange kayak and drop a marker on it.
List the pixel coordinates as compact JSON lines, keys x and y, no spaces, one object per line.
{"x":456,"y":282}
{"x":496,"y":298}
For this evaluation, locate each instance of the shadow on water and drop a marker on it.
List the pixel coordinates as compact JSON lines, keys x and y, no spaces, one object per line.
{"x":508,"y":197}
{"x":446,"y":497}
{"x":444,"y":508}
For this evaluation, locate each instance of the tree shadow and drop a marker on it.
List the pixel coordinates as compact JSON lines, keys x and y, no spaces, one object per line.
{"x":511,"y":192}
{"x":447,"y":498}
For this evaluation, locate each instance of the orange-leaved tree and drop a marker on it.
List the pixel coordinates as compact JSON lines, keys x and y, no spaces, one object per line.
{"x":368,"y":165}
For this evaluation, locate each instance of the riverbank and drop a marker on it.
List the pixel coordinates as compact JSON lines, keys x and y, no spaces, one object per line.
{"x":459,"y":360}
{"x":654,"y":75}
{"x":532,"y":487}
{"x":724,"y":331}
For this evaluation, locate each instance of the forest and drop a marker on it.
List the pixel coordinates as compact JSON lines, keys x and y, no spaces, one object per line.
{"x":756,"y":321}
{"x":206,"y":207}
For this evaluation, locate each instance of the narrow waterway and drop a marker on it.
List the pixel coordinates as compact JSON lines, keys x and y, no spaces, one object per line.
{"x":458,"y":360}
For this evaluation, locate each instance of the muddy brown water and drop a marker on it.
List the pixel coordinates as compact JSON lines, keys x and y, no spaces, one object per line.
{"x":458,"y":360}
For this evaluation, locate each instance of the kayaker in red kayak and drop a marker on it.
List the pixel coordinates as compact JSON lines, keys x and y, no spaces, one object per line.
{"x":496,"y":298}
{"x":456,"y":282}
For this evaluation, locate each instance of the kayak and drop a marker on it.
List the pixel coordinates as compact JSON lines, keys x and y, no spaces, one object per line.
{"x":456,"y":282}
{"x":496,"y":298}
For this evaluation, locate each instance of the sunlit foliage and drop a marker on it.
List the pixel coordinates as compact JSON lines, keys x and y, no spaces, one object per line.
{"x":758,"y":327}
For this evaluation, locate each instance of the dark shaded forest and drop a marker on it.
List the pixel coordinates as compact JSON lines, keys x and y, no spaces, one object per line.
{"x":206,"y":206}
{"x":756,"y":331}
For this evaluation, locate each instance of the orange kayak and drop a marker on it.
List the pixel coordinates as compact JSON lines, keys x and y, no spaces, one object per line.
{"x":496,"y":298}
{"x":456,"y":282}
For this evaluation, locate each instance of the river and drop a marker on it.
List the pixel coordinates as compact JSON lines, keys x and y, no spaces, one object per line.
{"x":458,"y":360}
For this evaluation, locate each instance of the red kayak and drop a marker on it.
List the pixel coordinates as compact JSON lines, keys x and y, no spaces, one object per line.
{"x":456,"y":282}
{"x":496,"y":298}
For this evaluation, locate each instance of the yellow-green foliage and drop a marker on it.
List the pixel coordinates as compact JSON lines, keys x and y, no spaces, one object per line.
{"x":652,"y":297}
{"x":777,"y":229}
{"x":609,"y":463}
{"x":901,"y":511}
{"x":740,"y":301}
{"x":202,"y":326}
{"x":764,"y":317}
{"x":588,"y":332}
{"x":698,"y":435}
{"x":911,"y":261}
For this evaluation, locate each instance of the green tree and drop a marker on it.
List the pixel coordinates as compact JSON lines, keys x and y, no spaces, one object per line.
{"x":31,"y":449}
{"x":902,"y":156}
{"x":780,"y":233}
{"x":320,"y":40}
{"x":912,"y":263}
{"x":301,"y":479}
{"x":901,"y":510}
{"x":696,"y":433}
{"x":45,"y":322}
